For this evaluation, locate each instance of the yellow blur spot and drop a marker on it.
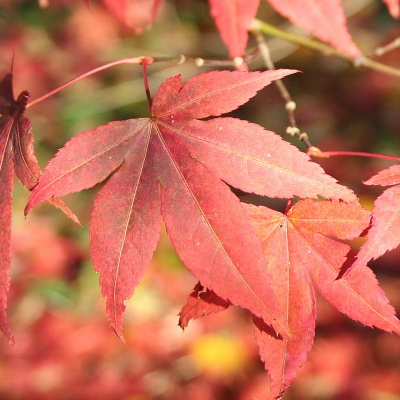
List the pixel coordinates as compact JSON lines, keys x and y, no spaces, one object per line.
{"x":367,"y":202}
{"x":220,"y":355}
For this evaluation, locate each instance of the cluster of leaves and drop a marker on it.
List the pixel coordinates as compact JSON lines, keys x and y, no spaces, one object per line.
{"x":326,"y":20}
{"x":175,"y":166}
{"x":63,"y":344}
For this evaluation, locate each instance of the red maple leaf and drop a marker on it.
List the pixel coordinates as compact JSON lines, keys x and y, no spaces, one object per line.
{"x":172,"y":166}
{"x":301,"y":254}
{"x":233,"y":19}
{"x":200,"y":303}
{"x":134,"y":14}
{"x":16,"y":153}
{"x":394,"y":7}
{"x":384,"y":234}
{"x":324,"y":19}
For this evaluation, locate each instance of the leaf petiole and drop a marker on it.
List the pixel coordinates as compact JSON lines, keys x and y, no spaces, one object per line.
{"x":316,"y":152}
{"x":146,"y":81}
{"x":148,"y":60}
{"x":360,"y":61}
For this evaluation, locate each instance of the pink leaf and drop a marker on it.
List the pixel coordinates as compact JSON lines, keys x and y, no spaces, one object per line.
{"x":384,"y":234}
{"x":232,"y":18}
{"x":16,"y":155}
{"x":388,"y":177}
{"x":199,"y":304}
{"x":288,"y":268}
{"x":211,"y":238}
{"x":220,"y":144}
{"x":299,"y":255}
{"x":324,"y":19}
{"x":152,"y":165}
{"x":6,"y":179}
{"x":134,"y":14}
{"x":177,"y":161}
{"x":394,"y":7}
{"x":87,"y":160}
{"x":211,"y":94}
{"x":125,"y":229}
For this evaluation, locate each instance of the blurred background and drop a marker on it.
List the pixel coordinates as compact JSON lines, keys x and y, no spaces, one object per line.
{"x":64,"y":348}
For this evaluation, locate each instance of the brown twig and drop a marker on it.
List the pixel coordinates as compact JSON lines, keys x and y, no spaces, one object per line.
{"x":360,"y":61}
{"x":290,"y":104}
{"x":235,"y":63}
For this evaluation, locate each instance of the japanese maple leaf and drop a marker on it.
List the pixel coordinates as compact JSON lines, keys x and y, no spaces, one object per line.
{"x":324,"y":19}
{"x":200,"y":303}
{"x":134,"y":14}
{"x":301,"y":254}
{"x":233,"y":19}
{"x":394,"y":7}
{"x":384,"y":234}
{"x":16,"y":153}
{"x":172,"y":166}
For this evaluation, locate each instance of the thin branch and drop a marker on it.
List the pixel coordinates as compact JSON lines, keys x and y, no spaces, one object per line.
{"x":316,"y":152}
{"x":200,"y":62}
{"x":361,"y":61}
{"x":235,"y":63}
{"x":395,"y":44}
{"x":290,"y":104}
{"x":136,"y":60}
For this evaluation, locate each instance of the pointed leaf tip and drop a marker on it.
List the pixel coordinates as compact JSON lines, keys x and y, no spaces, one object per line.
{"x":393,"y":7}
{"x":301,"y":255}
{"x":210,"y":93}
{"x":16,"y":156}
{"x":232,"y":19}
{"x":324,"y":19}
